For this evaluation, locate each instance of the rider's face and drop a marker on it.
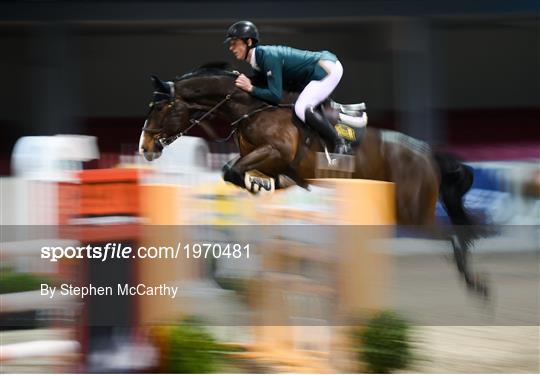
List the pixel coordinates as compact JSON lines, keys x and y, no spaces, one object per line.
{"x":239,"y":48}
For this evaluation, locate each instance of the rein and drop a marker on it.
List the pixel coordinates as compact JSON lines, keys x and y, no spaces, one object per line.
{"x":194,"y":122}
{"x":246,"y":116}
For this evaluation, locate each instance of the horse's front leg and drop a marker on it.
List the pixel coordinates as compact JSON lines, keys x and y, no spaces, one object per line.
{"x":265,"y":159}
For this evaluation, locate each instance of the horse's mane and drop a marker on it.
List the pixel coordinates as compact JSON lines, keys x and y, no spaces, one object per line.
{"x":222,"y":69}
{"x":208,"y":69}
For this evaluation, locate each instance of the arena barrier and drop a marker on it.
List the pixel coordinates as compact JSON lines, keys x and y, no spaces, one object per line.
{"x":361,"y":274}
{"x":111,"y":206}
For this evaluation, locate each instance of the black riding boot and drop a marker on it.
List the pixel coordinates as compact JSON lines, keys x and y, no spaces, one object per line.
{"x":326,"y":130}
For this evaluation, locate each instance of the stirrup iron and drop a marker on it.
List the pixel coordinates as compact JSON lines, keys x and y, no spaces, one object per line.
{"x":328,"y":157}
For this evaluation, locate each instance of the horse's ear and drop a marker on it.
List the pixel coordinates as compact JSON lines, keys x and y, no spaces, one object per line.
{"x":154,"y":80}
{"x":160,"y":86}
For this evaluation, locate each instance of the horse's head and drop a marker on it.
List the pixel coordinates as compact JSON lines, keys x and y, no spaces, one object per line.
{"x":167,"y":118}
{"x":195,"y":98}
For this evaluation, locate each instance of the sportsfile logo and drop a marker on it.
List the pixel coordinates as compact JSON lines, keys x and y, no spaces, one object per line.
{"x":116,"y":250}
{"x":109,"y":251}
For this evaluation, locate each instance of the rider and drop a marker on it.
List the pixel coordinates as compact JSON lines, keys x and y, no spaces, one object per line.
{"x":317,"y":73}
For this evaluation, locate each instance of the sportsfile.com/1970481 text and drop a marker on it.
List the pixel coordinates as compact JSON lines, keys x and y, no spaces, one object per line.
{"x":116,"y":250}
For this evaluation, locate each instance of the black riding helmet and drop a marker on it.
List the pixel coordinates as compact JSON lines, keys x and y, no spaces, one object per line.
{"x":243,"y":30}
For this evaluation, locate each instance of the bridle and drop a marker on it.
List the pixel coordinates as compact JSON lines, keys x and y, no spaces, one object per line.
{"x":160,"y":128}
{"x":165,"y":141}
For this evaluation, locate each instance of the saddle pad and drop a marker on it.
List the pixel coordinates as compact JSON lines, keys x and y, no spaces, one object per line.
{"x":358,"y":120}
{"x":351,"y":134}
{"x":349,"y":109}
{"x":346,"y":132}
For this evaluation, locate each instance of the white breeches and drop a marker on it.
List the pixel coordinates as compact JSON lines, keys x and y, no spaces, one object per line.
{"x":317,"y":91}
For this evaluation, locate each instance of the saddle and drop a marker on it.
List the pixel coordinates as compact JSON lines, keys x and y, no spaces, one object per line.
{"x":349,"y":120}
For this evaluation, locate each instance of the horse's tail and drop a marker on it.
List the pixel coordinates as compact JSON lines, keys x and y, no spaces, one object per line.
{"x":456,"y":180}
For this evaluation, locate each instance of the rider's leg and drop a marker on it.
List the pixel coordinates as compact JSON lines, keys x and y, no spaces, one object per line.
{"x":325,"y":129}
{"x":315,"y":93}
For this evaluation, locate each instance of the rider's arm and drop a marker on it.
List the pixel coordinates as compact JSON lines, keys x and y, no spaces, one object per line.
{"x":271,"y":67}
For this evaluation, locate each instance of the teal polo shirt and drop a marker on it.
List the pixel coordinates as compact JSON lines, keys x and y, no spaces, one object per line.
{"x":286,"y":66}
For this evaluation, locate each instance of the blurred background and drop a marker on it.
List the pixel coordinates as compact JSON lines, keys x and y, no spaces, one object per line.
{"x":457,"y":74}
{"x":463,"y":76}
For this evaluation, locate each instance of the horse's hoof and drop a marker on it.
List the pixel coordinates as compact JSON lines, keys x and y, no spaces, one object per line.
{"x":479,"y":287}
{"x":484,"y":291}
{"x":285,"y":181}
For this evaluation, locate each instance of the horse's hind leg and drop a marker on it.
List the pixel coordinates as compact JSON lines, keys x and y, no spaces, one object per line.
{"x":473,"y":281}
{"x":265,"y":159}
{"x":456,"y":180}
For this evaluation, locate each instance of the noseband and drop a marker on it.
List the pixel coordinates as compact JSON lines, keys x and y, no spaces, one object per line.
{"x":165,"y":141}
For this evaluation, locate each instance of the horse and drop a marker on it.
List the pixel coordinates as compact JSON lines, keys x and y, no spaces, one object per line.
{"x":274,"y":143}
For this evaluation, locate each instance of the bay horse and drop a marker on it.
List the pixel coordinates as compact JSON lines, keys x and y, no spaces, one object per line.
{"x":273,"y":142}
